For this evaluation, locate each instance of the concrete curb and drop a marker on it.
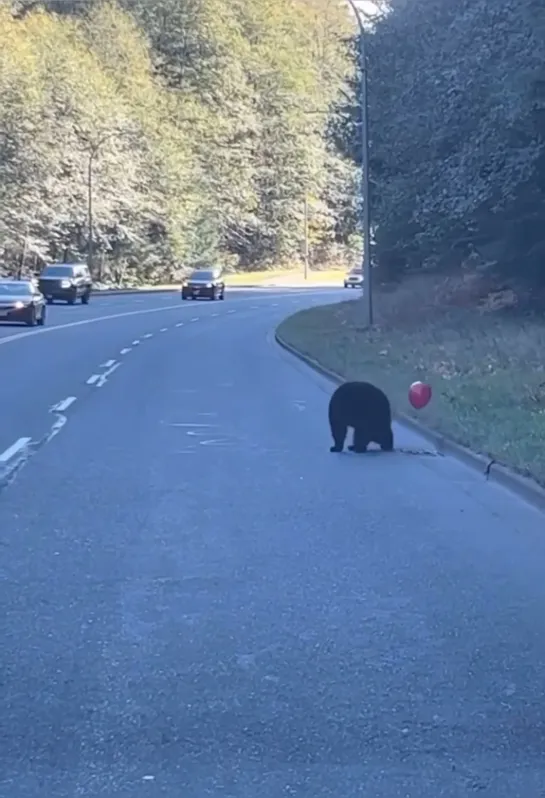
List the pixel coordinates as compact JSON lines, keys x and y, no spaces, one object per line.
{"x":295,"y":286}
{"x":176,"y":290}
{"x":122,"y":291}
{"x":524,"y":487}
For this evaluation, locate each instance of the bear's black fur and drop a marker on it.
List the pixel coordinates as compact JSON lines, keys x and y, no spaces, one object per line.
{"x":366,"y":409}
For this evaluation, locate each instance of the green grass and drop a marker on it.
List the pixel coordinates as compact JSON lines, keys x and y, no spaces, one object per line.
{"x":486,"y":369}
{"x":256,"y":278}
{"x":147,"y":288}
{"x":331,"y":276}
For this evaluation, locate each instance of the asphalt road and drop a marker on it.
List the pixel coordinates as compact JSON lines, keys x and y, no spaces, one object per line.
{"x":43,"y":367}
{"x":200,"y":600}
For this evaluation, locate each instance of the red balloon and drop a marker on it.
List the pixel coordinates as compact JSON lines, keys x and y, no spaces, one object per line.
{"x":419,"y":395}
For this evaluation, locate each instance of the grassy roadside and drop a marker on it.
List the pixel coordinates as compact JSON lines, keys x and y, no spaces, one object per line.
{"x":147,"y":288}
{"x":285,"y":277}
{"x":279,"y":277}
{"x":486,"y":367}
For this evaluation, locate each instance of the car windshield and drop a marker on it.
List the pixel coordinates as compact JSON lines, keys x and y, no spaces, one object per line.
{"x":15,"y":288}
{"x":356,"y":273}
{"x":58,"y":271}
{"x":202,"y":275}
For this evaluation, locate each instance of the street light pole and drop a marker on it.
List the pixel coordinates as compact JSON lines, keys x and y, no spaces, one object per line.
{"x":92,"y":146}
{"x":306,"y":250}
{"x":90,"y":242}
{"x":366,"y":215}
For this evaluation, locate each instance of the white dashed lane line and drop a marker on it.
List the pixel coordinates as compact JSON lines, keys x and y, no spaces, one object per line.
{"x":111,"y":365}
{"x":108,"y":317}
{"x":100,"y":379}
{"x":82,"y":322}
{"x":23,"y":447}
{"x":60,"y":407}
{"x":103,"y":377}
{"x":14,"y":449}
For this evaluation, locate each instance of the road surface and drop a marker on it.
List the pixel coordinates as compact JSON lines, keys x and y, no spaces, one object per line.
{"x":198,"y":599}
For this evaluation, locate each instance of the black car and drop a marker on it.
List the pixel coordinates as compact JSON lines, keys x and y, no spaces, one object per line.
{"x":67,"y":282}
{"x":21,"y":301}
{"x":206,"y":283}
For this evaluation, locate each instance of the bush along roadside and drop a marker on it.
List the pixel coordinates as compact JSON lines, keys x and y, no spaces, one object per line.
{"x":486,"y":372}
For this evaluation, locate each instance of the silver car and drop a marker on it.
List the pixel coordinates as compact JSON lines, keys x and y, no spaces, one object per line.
{"x":20,"y":301}
{"x":354,"y":279}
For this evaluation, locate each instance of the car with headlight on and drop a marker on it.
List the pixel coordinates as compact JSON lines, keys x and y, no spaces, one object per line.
{"x":67,"y":282}
{"x":354,"y":279}
{"x":206,"y":283}
{"x":22,"y":302}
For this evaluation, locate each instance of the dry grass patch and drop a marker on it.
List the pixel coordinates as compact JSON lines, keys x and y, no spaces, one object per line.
{"x":252,"y":278}
{"x":486,"y":366}
{"x":326,"y":277}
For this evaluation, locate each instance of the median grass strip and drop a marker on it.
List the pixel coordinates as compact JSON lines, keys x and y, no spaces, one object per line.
{"x":253,"y":278}
{"x":486,"y":367}
{"x":147,"y":289}
{"x":287,"y":276}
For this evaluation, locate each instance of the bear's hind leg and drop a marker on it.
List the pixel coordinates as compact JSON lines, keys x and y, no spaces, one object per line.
{"x":361,"y":441}
{"x":338,"y":431}
{"x":387,"y":442}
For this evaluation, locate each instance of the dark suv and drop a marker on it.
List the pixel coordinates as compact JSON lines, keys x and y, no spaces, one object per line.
{"x":67,"y":282}
{"x":204,"y":282}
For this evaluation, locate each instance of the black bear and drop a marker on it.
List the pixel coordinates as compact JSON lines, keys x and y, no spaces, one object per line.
{"x":366,"y":409}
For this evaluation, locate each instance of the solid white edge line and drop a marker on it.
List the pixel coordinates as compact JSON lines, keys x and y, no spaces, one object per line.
{"x":14,"y":449}
{"x":65,"y":404}
{"x":93,"y":378}
{"x":99,"y":319}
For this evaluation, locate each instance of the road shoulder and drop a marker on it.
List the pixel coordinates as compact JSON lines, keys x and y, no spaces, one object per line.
{"x":525,"y":487}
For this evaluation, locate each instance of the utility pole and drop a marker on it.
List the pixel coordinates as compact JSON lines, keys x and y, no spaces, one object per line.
{"x":366,"y":215}
{"x":22,"y":260}
{"x":306,"y":249}
{"x":92,"y":146}
{"x":90,"y":242}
